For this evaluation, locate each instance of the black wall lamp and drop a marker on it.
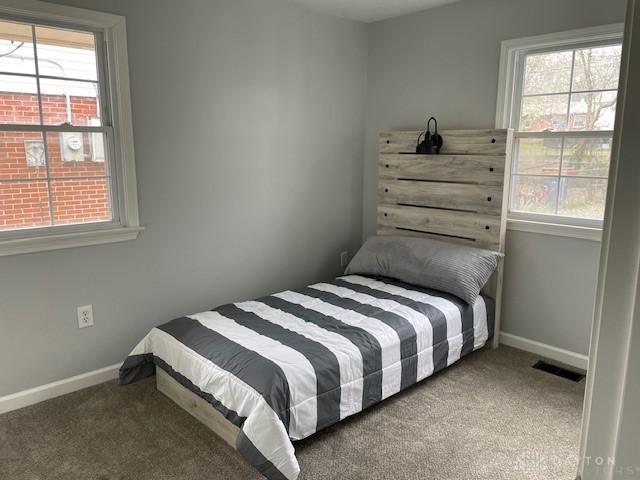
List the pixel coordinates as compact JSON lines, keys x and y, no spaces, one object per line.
{"x":429,"y":143}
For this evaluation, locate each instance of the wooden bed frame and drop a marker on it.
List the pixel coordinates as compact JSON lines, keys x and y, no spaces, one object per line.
{"x":458,"y":196}
{"x":197,"y":407}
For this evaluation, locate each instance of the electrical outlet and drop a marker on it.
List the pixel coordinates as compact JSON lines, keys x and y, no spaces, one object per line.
{"x":85,"y":316}
{"x":344,"y":259}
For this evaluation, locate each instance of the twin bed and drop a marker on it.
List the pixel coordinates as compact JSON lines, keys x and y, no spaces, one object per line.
{"x":267,"y":372}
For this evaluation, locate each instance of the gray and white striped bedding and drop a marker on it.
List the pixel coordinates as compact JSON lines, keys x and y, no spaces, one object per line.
{"x":284,"y":366}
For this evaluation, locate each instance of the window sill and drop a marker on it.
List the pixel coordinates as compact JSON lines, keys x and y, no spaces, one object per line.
{"x":45,"y":243}
{"x":557,"y":230}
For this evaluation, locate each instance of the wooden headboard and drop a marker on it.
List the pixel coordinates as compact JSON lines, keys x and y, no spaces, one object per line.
{"x":458,"y":196}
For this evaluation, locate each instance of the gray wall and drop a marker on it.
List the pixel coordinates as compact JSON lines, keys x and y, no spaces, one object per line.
{"x":248,"y":118}
{"x":444,"y":62}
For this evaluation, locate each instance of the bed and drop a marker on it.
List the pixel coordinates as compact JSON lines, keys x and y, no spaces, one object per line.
{"x":267,"y":372}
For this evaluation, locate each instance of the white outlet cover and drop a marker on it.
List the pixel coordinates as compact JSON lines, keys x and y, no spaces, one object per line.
{"x":85,"y":316}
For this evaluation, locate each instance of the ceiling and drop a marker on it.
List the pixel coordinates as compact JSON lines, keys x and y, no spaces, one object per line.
{"x":371,"y":10}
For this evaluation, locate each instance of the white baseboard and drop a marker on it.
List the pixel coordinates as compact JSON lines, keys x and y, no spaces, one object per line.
{"x":73,"y":384}
{"x":553,"y":353}
{"x":56,"y":389}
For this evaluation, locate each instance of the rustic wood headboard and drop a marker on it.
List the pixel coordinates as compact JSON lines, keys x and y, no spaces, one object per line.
{"x":458,"y":196}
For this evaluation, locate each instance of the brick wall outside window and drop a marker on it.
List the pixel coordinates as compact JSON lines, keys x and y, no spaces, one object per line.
{"x":26,"y":203}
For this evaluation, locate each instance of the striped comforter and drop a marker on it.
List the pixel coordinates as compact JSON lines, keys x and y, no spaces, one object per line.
{"x":287,"y":365}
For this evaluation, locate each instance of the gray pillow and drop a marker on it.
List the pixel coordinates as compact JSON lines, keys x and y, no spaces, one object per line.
{"x":456,"y":269}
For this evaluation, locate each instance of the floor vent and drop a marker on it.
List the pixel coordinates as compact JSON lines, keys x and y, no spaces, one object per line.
{"x":559,"y":371}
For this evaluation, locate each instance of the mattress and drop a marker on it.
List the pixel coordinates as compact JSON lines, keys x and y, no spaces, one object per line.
{"x":285,"y":366}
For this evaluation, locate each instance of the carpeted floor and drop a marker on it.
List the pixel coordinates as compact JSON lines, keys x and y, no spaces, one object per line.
{"x":490,"y":416}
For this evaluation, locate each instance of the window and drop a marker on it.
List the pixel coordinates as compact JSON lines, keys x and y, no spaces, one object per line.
{"x":66,"y":156}
{"x":559,"y":96}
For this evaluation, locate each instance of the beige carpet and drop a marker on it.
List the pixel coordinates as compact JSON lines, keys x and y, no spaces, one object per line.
{"x":491,"y":416}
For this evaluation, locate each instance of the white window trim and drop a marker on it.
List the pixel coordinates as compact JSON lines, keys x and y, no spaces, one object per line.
{"x":128,"y":227}
{"x":507,"y":83}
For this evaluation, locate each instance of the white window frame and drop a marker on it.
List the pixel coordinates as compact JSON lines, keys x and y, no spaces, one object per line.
{"x":512,"y":53}
{"x":126,"y":224}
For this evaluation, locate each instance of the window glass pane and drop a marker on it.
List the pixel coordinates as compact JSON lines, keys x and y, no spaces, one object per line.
{"x":24,"y":204}
{"x":52,"y":178}
{"x":22,"y":155}
{"x":548,"y":73}
{"x":16,"y":48}
{"x":538,"y":156}
{"x":76,"y":154}
{"x":597,"y":68}
{"x":547,"y":112}
{"x":593,"y":111}
{"x":66,"y":53}
{"x":19,"y":100}
{"x":534,"y":194}
{"x":80,"y":201}
{"x":582,"y":197}
{"x":67,"y":102}
{"x":587,"y":157}
{"x":573,"y":90}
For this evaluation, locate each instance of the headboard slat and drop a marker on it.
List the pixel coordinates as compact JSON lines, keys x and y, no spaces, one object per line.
{"x":483,"y":229}
{"x":486,"y":142}
{"x":416,"y":233}
{"x":485,"y":199}
{"x":480,"y":169}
